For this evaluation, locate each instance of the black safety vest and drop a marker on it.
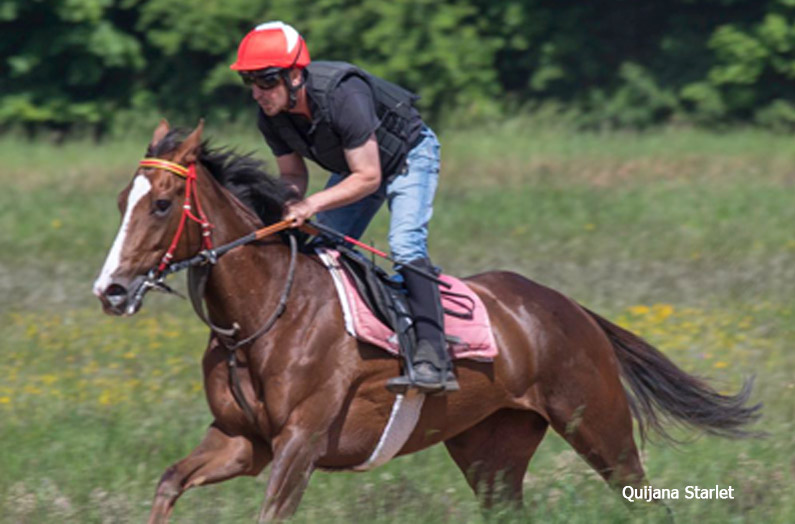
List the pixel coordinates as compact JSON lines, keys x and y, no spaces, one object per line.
{"x":393,"y":107}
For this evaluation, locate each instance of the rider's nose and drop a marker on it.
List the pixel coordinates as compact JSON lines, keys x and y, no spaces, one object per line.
{"x":116,"y":295}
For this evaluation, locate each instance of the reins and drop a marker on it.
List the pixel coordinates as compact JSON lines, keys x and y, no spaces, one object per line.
{"x":199,"y":267}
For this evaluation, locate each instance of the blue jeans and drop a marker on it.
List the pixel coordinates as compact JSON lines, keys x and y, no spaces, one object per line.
{"x":410,"y":198}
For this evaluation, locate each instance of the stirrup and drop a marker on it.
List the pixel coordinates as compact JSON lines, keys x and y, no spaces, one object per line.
{"x":451,"y":383}
{"x":400,"y":385}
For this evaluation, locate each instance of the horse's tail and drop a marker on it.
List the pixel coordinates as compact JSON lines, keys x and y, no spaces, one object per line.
{"x":658,"y":391}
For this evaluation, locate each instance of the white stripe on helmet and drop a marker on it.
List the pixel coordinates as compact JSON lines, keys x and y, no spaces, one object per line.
{"x":290,"y":34}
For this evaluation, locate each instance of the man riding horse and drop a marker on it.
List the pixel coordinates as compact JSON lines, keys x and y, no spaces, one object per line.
{"x":366,"y":132}
{"x":308,"y":395}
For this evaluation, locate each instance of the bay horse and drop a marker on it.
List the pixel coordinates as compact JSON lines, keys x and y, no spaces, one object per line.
{"x":318,"y":395}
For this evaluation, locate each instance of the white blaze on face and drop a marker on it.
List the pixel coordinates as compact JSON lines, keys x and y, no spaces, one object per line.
{"x":140,"y":188}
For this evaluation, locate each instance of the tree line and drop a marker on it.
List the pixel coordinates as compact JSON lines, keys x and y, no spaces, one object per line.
{"x":96,"y":64}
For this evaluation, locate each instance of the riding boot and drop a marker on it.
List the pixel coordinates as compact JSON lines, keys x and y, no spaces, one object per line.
{"x":433,"y":370}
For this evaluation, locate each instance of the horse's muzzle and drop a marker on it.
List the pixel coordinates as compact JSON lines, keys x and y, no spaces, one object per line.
{"x":116,"y":295}
{"x":118,"y":300}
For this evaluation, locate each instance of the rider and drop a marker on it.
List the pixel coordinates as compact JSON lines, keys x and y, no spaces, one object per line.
{"x":366,"y":132}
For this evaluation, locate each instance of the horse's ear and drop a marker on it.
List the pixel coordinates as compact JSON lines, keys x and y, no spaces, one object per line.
{"x":160,"y":132}
{"x":188,"y":150}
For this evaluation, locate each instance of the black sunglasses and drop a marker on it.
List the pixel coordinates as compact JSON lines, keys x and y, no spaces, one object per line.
{"x":266,"y":81}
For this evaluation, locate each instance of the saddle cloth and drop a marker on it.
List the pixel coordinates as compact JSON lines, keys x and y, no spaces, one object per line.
{"x":473,"y":336}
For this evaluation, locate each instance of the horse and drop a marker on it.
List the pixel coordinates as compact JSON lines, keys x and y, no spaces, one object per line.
{"x":317,"y":396}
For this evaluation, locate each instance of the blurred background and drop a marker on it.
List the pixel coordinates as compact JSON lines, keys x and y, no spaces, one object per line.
{"x":96,"y":66}
{"x":635,"y":155}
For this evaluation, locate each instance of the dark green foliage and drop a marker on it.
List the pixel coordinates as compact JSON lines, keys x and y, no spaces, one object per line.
{"x":107,"y":64}
{"x":67,"y":62}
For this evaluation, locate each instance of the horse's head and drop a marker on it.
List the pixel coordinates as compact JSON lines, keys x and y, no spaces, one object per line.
{"x":151,"y":207}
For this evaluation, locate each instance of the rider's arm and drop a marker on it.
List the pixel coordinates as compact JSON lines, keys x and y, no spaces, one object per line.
{"x":365,"y":178}
{"x":354,"y":120}
{"x":293,"y":172}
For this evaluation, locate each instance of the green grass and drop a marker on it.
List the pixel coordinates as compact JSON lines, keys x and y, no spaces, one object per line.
{"x":685,"y":237}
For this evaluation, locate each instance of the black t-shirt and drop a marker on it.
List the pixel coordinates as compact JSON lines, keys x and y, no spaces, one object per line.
{"x":352,"y":118}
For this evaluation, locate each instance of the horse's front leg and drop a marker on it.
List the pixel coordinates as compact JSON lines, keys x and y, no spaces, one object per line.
{"x":294,"y":455}
{"x":220,"y":456}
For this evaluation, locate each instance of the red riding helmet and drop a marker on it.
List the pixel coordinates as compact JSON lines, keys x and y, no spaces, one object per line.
{"x":272,"y":44}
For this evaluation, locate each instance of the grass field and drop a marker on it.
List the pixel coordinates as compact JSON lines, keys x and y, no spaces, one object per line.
{"x":684,"y":237}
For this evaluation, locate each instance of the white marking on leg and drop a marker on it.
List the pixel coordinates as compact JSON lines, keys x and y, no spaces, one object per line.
{"x":140,"y":188}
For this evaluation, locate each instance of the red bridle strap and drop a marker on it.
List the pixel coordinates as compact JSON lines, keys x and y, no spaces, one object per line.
{"x":189,"y":174}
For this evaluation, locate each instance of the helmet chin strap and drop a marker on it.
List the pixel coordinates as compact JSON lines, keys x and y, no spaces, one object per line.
{"x":291,"y":89}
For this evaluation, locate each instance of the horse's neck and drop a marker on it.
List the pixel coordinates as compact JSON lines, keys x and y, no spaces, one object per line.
{"x":247,"y":282}
{"x":246,"y":285}
{"x":231,"y":218}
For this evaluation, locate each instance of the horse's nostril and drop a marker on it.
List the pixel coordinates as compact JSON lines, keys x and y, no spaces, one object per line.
{"x":115,"y":289}
{"x":116,"y":294}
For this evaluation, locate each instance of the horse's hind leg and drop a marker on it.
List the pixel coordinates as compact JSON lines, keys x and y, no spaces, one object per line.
{"x":601,"y":432}
{"x":596,"y":421}
{"x":494,"y":454}
{"x":219,"y":457}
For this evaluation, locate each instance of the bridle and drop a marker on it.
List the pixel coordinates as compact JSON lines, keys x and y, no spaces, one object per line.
{"x":199,"y":269}
{"x":189,"y":174}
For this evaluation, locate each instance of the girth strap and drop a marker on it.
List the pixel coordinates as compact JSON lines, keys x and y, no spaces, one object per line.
{"x":403,"y":419}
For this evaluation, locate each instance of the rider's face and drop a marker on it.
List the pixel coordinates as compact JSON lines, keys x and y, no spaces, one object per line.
{"x":273,"y":100}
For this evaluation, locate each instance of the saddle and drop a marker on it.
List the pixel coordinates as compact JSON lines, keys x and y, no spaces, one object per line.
{"x":375,"y":307}
{"x":384,"y":296}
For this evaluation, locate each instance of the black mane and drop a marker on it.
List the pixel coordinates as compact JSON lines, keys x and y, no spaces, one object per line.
{"x":242,"y":174}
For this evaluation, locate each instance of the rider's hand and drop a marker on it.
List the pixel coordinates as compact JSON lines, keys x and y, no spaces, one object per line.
{"x":299,"y":212}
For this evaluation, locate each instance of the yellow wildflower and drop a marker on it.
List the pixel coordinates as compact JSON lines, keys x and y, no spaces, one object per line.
{"x":662,"y":311}
{"x":105,"y":398}
{"x":32,"y":390}
{"x":639,"y":310}
{"x":48,"y":379}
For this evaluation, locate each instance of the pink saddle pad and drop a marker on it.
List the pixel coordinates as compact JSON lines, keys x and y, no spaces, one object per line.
{"x":474,"y":338}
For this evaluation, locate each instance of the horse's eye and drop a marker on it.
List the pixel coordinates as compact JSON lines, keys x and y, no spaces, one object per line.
{"x":162,"y":207}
